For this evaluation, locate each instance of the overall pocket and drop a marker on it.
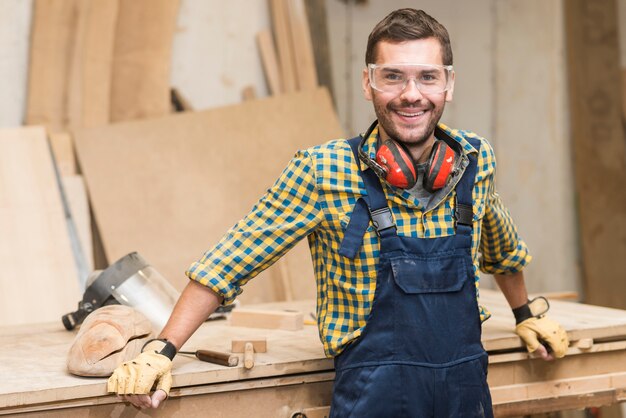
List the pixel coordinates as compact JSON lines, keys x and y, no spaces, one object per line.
{"x":434,"y":274}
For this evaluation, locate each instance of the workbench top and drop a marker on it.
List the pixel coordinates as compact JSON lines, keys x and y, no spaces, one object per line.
{"x":33,"y":366}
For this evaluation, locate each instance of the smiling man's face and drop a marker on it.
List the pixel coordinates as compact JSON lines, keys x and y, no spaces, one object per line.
{"x":408,"y":117}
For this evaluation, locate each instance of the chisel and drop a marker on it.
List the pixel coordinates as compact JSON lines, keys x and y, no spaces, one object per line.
{"x":217,"y":357}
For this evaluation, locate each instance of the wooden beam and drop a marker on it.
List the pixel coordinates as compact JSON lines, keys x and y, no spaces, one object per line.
{"x":599,"y":147}
{"x":269,"y":59}
{"x":63,"y":152}
{"x":304,"y":59}
{"x":316,"y":13}
{"x":280,"y":24}
{"x":255,"y":318}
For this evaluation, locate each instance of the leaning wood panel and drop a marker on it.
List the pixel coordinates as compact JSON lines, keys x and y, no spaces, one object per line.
{"x":140,"y":80}
{"x":53,"y":30}
{"x":181,"y":181}
{"x":38,"y":278}
{"x":304,"y":59}
{"x":284,"y":45}
{"x":89,"y":88}
{"x":599,"y":147}
{"x":318,"y":27}
{"x":267,"y":50}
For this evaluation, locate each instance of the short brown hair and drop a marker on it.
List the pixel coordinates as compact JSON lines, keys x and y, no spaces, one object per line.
{"x":407,"y":25}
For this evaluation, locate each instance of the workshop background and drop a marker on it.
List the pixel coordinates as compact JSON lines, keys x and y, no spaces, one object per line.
{"x":543,"y":80}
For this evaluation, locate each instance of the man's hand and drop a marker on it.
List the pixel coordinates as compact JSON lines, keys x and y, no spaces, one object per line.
{"x":535,"y":331}
{"x":539,"y":333}
{"x":133,"y":380}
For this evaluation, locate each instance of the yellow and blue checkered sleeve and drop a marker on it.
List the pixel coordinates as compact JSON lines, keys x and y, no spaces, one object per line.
{"x":503,"y":251}
{"x":288,"y":212}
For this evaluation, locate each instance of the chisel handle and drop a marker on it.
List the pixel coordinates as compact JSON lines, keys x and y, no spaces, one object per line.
{"x":217,"y":357}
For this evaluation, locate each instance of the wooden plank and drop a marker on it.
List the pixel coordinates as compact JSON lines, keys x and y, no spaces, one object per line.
{"x":624,"y":95}
{"x":318,"y":28}
{"x":267,"y":50}
{"x":254,"y":318}
{"x":53,"y":28}
{"x":140,"y":84}
{"x":63,"y":151}
{"x":38,"y":278}
{"x":599,"y":147}
{"x":184,"y":181}
{"x":76,"y":194}
{"x":561,"y":403}
{"x":282,"y":36}
{"x":90,"y":73}
{"x":304,"y":59}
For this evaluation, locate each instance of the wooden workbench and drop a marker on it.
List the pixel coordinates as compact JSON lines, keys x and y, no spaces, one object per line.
{"x":294,"y":375}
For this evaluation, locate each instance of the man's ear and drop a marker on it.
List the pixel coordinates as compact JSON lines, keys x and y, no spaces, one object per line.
{"x":365,"y":84}
{"x":450,"y":93}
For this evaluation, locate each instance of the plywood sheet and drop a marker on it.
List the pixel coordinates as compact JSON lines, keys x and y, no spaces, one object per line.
{"x":38,"y":278}
{"x":53,"y":29}
{"x":171,"y":187}
{"x":89,"y":87}
{"x":140,"y":78}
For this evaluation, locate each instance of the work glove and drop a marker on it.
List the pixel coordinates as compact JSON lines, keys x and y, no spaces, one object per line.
{"x":534,"y":328}
{"x":138,"y":376}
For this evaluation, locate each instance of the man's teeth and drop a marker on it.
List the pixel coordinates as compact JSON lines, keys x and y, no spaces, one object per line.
{"x":410,"y":114}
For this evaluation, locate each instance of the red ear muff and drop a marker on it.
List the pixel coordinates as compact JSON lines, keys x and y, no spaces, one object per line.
{"x":398,"y":165}
{"x":440,"y":165}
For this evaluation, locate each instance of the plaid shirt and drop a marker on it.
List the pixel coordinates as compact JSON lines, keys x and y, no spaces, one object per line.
{"x":314,"y":198}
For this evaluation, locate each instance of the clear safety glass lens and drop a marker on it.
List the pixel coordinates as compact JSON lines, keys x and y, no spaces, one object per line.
{"x":393,"y":78}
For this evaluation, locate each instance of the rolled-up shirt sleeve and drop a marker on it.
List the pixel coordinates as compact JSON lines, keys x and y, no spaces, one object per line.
{"x":503,"y":251}
{"x":287,"y":213}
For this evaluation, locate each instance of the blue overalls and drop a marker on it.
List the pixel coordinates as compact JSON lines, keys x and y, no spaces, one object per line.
{"x":420,"y":353}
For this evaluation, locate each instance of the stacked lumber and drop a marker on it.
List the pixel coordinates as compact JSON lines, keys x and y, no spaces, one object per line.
{"x":288,"y":59}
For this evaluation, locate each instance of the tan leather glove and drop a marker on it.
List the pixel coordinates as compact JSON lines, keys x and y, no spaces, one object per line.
{"x":537,"y":328}
{"x":139,"y":375}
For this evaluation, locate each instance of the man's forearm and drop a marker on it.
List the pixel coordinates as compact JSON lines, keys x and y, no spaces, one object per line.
{"x":513,"y":287}
{"x":194,"y":306}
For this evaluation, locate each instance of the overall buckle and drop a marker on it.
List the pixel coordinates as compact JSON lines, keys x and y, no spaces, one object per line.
{"x":382,"y":219}
{"x":464,"y":215}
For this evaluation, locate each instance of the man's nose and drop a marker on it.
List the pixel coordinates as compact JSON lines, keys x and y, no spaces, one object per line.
{"x":411,"y":92}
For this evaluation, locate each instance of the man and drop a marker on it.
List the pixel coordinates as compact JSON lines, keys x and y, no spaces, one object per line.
{"x":395,"y":221}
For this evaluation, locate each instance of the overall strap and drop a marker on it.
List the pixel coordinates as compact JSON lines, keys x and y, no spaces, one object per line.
{"x":373,"y":206}
{"x":464,"y":212}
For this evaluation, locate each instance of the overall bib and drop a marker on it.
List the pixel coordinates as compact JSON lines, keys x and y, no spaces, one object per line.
{"x":420,"y":353}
